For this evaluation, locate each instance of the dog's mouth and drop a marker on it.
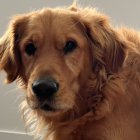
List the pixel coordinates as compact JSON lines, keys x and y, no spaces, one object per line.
{"x":47,"y":107}
{"x":38,"y":106}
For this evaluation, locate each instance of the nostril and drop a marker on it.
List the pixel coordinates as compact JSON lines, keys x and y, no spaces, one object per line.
{"x":52,"y":87}
{"x":39,"y":88}
{"x":45,"y":88}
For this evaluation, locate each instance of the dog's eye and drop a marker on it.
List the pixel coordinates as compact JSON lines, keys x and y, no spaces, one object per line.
{"x":30,"y":49}
{"x":69,"y":46}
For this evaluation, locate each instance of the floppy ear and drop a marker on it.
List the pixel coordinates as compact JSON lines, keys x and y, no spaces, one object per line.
{"x":108,"y":50}
{"x":9,"y":50}
{"x":108,"y":47}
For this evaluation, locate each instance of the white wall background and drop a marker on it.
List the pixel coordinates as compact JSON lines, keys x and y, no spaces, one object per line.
{"x":122,"y":12}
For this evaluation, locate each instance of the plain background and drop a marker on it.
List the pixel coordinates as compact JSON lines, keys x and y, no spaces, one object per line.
{"x":122,"y":12}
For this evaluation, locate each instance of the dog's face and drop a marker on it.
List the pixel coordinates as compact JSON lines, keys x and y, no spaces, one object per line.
{"x":54,"y":52}
{"x":54,"y":58}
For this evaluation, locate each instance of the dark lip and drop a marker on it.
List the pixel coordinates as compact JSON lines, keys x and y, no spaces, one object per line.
{"x":47,"y":107}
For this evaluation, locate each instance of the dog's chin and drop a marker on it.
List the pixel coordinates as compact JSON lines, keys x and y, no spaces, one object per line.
{"x":48,"y":110}
{"x":52,"y":113}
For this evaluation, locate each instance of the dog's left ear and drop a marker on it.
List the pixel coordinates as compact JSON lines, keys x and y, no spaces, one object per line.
{"x":108,"y":47}
{"x":9,"y":49}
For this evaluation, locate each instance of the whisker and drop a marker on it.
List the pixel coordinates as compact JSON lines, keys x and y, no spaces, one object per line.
{"x":10,"y":91}
{"x":18,"y":98}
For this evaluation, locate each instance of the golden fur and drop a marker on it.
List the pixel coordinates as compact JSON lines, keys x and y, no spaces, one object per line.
{"x":99,"y":95}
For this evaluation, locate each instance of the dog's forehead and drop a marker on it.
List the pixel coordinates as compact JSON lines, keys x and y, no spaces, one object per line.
{"x":52,"y":25}
{"x":52,"y":19}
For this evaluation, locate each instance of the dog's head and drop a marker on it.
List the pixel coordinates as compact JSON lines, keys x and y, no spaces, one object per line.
{"x":54,"y":52}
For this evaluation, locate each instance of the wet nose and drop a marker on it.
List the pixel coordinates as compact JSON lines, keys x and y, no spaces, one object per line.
{"x":45,"y":88}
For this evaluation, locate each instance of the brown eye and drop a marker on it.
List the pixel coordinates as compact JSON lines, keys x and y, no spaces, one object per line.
{"x":30,"y":49}
{"x":69,"y":46}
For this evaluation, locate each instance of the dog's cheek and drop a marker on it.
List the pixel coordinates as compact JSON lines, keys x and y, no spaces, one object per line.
{"x":75,"y":62}
{"x":66,"y":101}
{"x":67,"y":94}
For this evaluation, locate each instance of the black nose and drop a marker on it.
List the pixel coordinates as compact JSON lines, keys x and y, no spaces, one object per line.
{"x":45,"y":88}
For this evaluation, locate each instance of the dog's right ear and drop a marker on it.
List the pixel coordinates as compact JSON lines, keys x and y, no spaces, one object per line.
{"x":9,"y":49}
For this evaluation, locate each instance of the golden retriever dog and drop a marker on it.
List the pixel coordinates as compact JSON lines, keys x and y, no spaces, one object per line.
{"x":81,"y":75}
